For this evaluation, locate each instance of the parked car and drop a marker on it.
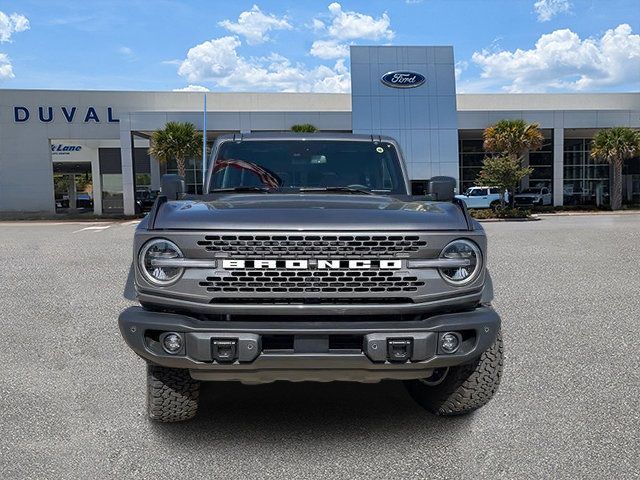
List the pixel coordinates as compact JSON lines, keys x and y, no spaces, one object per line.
{"x":144,"y":199}
{"x":530,"y":197}
{"x":482,"y":197}
{"x":84,"y":200}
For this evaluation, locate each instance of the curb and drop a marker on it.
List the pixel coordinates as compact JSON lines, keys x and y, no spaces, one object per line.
{"x":495,"y":220}
{"x":578,"y":214}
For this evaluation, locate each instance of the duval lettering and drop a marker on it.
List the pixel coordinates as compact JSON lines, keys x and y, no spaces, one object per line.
{"x":48,"y":114}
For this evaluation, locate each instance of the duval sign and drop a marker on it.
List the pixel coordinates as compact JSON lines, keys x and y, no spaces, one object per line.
{"x":403,"y":79}
{"x":68,"y":114}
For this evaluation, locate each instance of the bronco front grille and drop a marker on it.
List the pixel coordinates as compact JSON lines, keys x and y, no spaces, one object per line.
{"x":312,"y":281}
{"x":317,"y":246}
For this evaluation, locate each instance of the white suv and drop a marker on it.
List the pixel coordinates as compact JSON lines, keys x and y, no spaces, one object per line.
{"x":482,"y":197}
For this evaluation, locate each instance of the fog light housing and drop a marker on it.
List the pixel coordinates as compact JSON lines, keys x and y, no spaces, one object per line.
{"x":172,"y":343}
{"x":450,"y":342}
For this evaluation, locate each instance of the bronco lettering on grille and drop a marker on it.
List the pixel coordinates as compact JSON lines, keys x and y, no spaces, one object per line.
{"x":311,"y":264}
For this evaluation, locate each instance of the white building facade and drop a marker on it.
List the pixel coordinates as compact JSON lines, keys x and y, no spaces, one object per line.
{"x":68,"y":151}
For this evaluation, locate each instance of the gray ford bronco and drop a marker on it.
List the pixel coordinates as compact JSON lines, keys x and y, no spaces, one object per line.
{"x":307,"y":258}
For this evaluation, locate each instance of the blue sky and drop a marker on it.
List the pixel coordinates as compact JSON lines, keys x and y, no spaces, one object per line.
{"x":500,"y":46}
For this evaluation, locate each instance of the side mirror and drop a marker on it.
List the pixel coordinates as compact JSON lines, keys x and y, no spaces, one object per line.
{"x":418,"y":188}
{"x":442,"y":189}
{"x":172,"y":186}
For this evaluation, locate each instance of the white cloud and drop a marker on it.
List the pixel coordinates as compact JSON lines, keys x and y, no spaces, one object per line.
{"x":329,"y":49}
{"x":10,"y":24}
{"x":317,"y":25}
{"x":211,"y":59}
{"x":218,"y":61}
{"x":347,"y":26}
{"x":561,"y":60}
{"x":547,"y":9}
{"x":354,"y":25}
{"x":254,"y":25}
{"x":127,"y":53}
{"x":460,"y":67}
{"x":192,"y":88}
{"x":6,"y":69}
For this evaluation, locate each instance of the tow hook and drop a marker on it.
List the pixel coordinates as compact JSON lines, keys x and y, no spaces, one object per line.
{"x":224,"y":350}
{"x":387,"y":347}
{"x":399,"y":349}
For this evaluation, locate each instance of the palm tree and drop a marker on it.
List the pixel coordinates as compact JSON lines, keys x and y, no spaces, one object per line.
{"x":177,"y":140}
{"x":614,"y":146}
{"x":513,"y":139}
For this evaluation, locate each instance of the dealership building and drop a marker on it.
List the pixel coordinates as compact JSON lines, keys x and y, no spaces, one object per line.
{"x":68,"y":151}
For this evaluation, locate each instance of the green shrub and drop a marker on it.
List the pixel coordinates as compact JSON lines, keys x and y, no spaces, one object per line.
{"x":506,"y":212}
{"x":304,"y":128}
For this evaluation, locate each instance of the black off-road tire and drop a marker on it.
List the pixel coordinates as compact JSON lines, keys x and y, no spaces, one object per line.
{"x":172,"y":395}
{"x":465,"y":388}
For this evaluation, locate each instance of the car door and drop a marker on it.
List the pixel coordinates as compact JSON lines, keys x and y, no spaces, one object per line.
{"x":546,"y":196}
{"x":469,"y":197}
{"x":483,"y":199}
{"x":477,"y":198}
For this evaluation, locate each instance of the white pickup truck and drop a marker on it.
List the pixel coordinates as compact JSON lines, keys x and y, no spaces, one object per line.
{"x":531,"y":197}
{"x":482,"y":197}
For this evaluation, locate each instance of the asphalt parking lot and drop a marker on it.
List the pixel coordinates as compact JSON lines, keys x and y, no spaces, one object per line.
{"x":73,"y":394}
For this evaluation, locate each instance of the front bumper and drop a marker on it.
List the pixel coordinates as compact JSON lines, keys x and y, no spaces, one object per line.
{"x":320,"y":350}
{"x":527,"y":201}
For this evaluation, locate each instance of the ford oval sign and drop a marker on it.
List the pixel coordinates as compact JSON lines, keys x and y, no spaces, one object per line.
{"x":402,"y":79}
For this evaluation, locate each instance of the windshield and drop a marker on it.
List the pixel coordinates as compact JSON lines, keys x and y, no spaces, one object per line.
{"x":531,"y":190}
{"x":287,"y":166}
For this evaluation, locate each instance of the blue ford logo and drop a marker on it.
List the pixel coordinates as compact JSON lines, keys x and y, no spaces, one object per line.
{"x":402,"y":79}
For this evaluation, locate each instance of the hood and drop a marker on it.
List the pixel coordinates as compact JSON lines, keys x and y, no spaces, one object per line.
{"x":308,"y":212}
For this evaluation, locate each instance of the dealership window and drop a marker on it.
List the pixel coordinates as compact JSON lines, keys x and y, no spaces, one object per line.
{"x":631,"y":181}
{"x":472,"y":155}
{"x":193,"y":174}
{"x":586,"y":181}
{"x":73,"y":187}
{"x":193,"y":167}
{"x":542,"y":163}
{"x":111,"y":180}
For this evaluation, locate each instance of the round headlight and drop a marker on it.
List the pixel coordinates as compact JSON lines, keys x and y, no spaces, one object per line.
{"x":462,"y":250}
{"x":151,"y":261}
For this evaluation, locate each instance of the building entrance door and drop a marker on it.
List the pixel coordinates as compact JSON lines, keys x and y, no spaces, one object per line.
{"x":73,"y":187}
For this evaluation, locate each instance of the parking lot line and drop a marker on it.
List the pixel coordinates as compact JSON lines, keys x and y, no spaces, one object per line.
{"x":95,"y":228}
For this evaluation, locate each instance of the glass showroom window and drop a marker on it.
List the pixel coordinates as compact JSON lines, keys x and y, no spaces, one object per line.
{"x":472,"y":155}
{"x":631,"y":179}
{"x":193,"y":174}
{"x":586,"y":181}
{"x":112,"y":194}
{"x":542,"y":163}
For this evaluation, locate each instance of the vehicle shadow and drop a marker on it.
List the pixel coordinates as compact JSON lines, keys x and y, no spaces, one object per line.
{"x":337,"y":412}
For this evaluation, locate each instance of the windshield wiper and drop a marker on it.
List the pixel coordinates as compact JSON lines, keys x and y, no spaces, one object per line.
{"x":337,"y":189}
{"x":241,"y":189}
